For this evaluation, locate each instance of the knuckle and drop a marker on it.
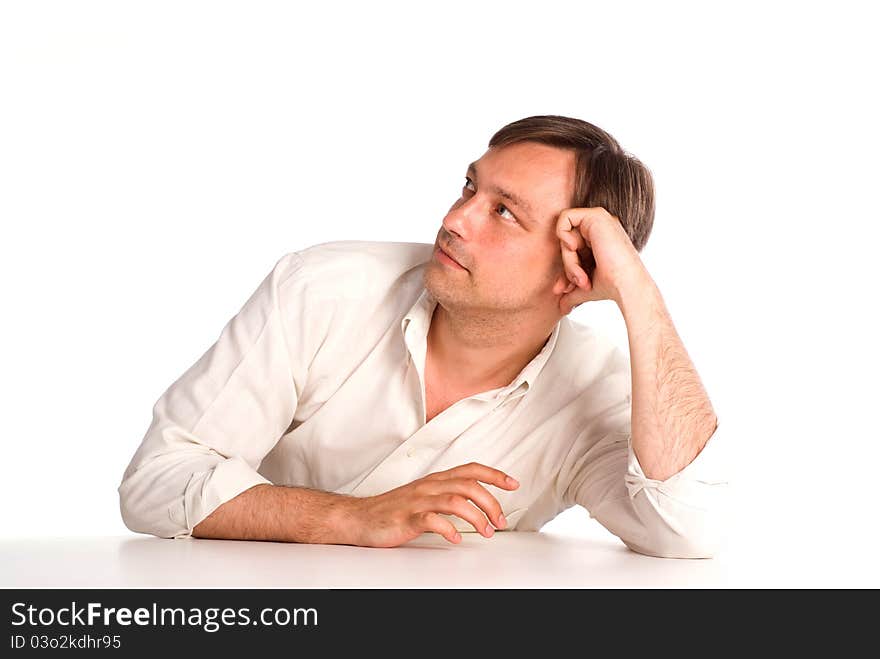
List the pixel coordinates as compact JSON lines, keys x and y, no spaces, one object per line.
{"x":479,"y":489}
{"x":452,"y":499}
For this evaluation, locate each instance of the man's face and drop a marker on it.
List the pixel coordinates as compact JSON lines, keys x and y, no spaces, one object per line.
{"x":507,"y":246}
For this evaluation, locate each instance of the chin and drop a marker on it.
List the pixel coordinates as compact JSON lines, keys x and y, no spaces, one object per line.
{"x":440,"y":288}
{"x":432,"y":280}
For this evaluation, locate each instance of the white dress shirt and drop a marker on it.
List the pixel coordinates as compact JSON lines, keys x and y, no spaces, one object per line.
{"x":319,"y":381}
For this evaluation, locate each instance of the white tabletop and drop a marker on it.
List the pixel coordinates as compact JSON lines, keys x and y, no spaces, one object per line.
{"x":507,"y":560}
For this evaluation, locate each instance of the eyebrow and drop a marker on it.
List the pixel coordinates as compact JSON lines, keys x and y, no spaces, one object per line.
{"x":516,"y":200}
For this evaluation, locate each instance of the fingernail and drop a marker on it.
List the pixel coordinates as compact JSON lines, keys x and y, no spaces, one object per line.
{"x":501,"y":521}
{"x":489,"y":530}
{"x":512,"y":481}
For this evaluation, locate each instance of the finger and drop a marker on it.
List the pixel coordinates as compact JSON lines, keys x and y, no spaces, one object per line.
{"x":579,"y":221}
{"x":573,"y":269}
{"x":565,"y":223}
{"x":569,"y":236}
{"x":571,"y":240}
{"x":479,"y":495}
{"x":455,"y":504}
{"x":431,"y":522}
{"x":481,"y":473}
{"x":573,"y":225}
{"x":573,"y":299}
{"x":570,"y":245}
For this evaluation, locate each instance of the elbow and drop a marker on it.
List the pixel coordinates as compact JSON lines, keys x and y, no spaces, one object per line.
{"x":696,"y":544}
{"x":154,"y":492}
{"x":167,"y":497}
{"x":679,"y":527}
{"x":135,"y":517}
{"x":698,"y":535}
{"x":132,"y":516}
{"x":141,"y":515}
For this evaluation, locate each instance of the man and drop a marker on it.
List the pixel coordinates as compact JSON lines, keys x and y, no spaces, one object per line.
{"x":370,"y":392}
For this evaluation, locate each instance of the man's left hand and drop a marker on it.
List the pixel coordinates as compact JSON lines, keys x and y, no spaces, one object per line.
{"x":618,"y":264}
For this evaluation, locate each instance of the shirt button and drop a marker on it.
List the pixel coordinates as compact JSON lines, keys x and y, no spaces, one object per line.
{"x":410,"y":452}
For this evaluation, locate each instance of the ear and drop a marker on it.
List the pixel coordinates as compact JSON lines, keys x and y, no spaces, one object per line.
{"x":562,"y":286}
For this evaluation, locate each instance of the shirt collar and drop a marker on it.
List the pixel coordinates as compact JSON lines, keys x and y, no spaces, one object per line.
{"x":417,"y":321}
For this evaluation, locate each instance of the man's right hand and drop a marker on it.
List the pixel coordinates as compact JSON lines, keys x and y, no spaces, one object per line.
{"x":404,"y":513}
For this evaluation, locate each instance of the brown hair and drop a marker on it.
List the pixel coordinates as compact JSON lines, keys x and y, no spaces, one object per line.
{"x":605,"y":174}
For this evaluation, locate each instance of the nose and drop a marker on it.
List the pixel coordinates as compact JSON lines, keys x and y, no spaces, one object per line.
{"x":460,"y":218}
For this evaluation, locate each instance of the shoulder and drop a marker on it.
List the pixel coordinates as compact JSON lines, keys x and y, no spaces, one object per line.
{"x":376,"y":256}
{"x":592,"y":361}
{"x":577,"y":336}
{"x":353,"y":268}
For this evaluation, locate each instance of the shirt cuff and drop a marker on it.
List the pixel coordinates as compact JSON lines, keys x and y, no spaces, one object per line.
{"x":208,"y":490}
{"x":688,"y":485}
{"x":683,"y":516}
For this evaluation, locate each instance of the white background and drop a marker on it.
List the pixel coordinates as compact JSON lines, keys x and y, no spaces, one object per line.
{"x":156,"y":159}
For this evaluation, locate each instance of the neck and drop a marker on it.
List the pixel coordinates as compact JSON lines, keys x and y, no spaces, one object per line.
{"x":484,"y":350}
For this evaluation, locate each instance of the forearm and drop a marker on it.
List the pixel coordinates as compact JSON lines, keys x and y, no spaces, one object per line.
{"x":283,"y":514}
{"x":672,"y":416}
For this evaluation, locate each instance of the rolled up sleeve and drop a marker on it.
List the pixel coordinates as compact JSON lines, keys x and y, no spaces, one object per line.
{"x":683,"y":516}
{"x":212,"y":427}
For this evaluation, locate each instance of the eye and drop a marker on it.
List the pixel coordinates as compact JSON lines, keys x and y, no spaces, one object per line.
{"x":506,"y":210}
{"x":468,"y":182}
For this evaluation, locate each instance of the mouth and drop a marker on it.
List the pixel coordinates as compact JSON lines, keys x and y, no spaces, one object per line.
{"x":444,"y":257}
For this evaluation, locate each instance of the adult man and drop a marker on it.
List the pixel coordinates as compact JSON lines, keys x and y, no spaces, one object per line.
{"x":366,"y":391}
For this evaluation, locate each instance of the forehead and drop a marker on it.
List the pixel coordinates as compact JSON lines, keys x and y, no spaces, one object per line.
{"x":543,"y":175}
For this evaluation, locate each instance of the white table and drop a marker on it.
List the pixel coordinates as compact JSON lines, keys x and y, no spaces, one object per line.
{"x":507,"y":560}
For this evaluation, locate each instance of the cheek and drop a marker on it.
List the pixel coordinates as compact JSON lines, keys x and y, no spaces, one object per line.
{"x":503,"y":257}
{"x":500,"y":244}
{"x":509,"y":263}
{"x":541,"y":265}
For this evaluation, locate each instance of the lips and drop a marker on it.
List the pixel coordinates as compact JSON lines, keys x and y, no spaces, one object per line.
{"x":446,"y":251}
